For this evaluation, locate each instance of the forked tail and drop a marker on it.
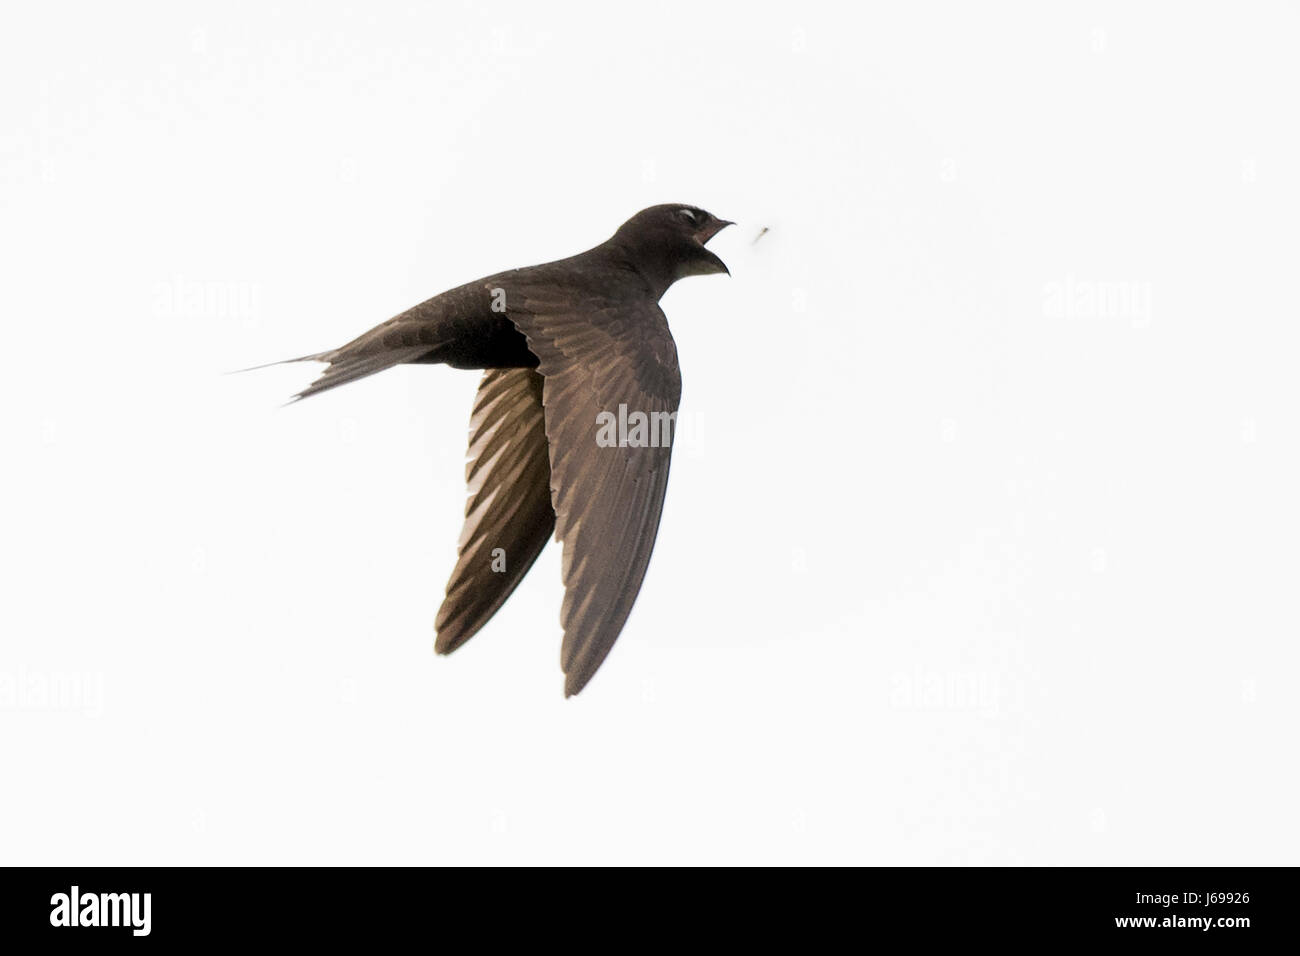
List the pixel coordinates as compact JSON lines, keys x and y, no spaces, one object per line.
{"x":345,"y":367}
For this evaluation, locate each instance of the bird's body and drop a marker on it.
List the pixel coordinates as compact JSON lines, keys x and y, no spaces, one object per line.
{"x":563,"y":344}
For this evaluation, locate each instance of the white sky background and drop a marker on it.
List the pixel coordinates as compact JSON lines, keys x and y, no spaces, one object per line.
{"x":958,"y":566}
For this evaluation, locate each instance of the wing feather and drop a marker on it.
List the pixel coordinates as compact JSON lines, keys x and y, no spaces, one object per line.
{"x":508,"y":506}
{"x":596,"y":356}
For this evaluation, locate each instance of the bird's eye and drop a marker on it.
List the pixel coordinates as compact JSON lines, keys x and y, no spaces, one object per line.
{"x":688,"y":215}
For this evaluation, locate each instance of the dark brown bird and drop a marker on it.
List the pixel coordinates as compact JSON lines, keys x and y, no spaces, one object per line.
{"x":571,"y":430}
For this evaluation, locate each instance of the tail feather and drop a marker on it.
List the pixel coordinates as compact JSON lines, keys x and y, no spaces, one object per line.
{"x":344,"y":368}
{"x":317,"y":357}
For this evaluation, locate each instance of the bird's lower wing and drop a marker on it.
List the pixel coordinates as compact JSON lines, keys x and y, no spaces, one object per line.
{"x":605,"y":367}
{"x":508,"y":515}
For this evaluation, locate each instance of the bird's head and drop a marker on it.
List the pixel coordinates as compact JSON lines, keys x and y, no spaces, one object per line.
{"x":667,"y":242}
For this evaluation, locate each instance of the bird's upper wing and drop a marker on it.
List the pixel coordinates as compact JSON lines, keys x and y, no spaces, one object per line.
{"x":509,"y":504}
{"x":597,"y":354}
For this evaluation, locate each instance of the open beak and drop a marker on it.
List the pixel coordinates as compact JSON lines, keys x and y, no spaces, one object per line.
{"x":711,"y":229}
